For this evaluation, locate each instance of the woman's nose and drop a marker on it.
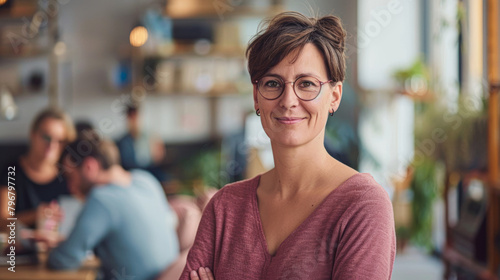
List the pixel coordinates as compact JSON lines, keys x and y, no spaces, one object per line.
{"x":288,"y":99}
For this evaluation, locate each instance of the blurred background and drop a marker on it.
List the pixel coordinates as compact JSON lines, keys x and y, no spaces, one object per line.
{"x":419,"y":110}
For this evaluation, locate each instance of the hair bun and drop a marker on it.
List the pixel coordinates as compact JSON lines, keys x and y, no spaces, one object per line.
{"x":333,"y":27}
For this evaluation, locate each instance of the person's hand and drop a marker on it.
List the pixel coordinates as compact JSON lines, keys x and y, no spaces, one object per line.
{"x":203,"y":273}
{"x":47,"y":239}
{"x":51,"y":211}
{"x":48,"y":218}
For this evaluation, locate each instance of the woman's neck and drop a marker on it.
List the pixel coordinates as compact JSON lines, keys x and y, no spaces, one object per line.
{"x":38,"y":170}
{"x":37,"y":164}
{"x":299,"y":169}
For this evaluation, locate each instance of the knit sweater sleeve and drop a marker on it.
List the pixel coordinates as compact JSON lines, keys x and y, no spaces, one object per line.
{"x":202,"y":253}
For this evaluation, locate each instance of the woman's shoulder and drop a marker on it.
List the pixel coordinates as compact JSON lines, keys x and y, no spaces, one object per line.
{"x":359,"y":184}
{"x":237,"y":193}
{"x":243,"y":185}
{"x":362,"y":193}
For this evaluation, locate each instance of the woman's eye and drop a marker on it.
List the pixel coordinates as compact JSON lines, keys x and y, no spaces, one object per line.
{"x":46,"y":138}
{"x":272,"y":84}
{"x":305,"y":84}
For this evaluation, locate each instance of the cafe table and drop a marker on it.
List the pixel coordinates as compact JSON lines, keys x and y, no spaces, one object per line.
{"x":40,"y":271}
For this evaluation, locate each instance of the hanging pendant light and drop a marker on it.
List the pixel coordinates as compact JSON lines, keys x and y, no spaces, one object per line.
{"x":138,"y":36}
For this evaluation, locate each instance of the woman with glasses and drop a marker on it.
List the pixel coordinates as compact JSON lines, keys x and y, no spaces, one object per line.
{"x":38,"y":181}
{"x":310,"y":217}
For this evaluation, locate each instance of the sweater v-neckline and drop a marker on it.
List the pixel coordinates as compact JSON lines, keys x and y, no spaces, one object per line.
{"x":260,"y":226}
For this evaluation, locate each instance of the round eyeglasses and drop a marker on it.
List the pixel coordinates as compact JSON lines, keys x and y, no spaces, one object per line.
{"x":306,"y":88}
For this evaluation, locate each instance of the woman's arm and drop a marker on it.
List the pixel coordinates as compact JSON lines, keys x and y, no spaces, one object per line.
{"x":367,"y":247}
{"x":4,"y":204}
{"x":27,"y":217}
{"x":202,"y":254}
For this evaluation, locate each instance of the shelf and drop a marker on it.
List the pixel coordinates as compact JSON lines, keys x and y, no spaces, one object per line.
{"x":482,"y":176}
{"x":223,"y":11}
{"x":188,"y":54}
{"x":424,"y":96}
{"x":200,"y":95}
{"x":6,"y":55}
{"x":19,"y":11}
{"x":456,"y":258}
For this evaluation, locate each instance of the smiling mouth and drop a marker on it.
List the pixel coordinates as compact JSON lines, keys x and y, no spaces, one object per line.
{"x":285,"y":120}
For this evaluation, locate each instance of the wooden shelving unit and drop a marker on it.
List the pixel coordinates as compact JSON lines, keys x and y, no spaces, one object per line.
{"x":456,"y":258}
{"x":18,"y":10}
{"x":451,"y":256}
{"x":493,"y":132}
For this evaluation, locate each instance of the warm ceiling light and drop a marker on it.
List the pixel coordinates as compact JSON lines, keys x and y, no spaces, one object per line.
{"x":2,"y":2}
{"x":59,"y":48}
{"x":183,"y":8}
{"x":138,"y":36}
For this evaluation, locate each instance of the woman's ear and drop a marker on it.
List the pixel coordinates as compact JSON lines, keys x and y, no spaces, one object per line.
{"x":255,"y":97}
{"x":336,"y":96}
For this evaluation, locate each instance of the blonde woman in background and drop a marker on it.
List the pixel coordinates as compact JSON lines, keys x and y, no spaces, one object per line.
{"x":38,"y":181}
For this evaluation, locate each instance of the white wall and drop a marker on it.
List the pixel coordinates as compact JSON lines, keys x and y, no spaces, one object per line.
{"x":386,"y":130}
{"x":388,"y":35}
{"x":388,"y":38}
{"x":444,"y":50}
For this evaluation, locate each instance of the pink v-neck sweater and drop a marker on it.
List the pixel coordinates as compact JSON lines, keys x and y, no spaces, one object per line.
{"x":350,"y":235}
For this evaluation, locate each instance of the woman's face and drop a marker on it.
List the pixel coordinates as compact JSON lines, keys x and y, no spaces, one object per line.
{"x":48,"y":141}
{"x":288,"y":120}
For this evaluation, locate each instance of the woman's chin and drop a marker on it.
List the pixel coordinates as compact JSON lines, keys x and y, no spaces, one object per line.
{"x":288,"y":140}
{"x":52,"y":158}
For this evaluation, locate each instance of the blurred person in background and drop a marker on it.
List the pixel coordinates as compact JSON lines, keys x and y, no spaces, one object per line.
{"x":126,"y":219}
{"x":139,"y":149}
{"x":311,"y":216}
{"x":38,"y":183}
{"x":84,"y":127}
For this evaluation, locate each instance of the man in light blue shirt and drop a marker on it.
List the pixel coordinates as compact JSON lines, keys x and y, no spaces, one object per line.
{"x":126,"y":219}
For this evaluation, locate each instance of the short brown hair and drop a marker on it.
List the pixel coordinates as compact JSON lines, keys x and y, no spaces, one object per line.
{"x":291,"y":31}
{"x":58,"y":114}
{"x":89,"y":144}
